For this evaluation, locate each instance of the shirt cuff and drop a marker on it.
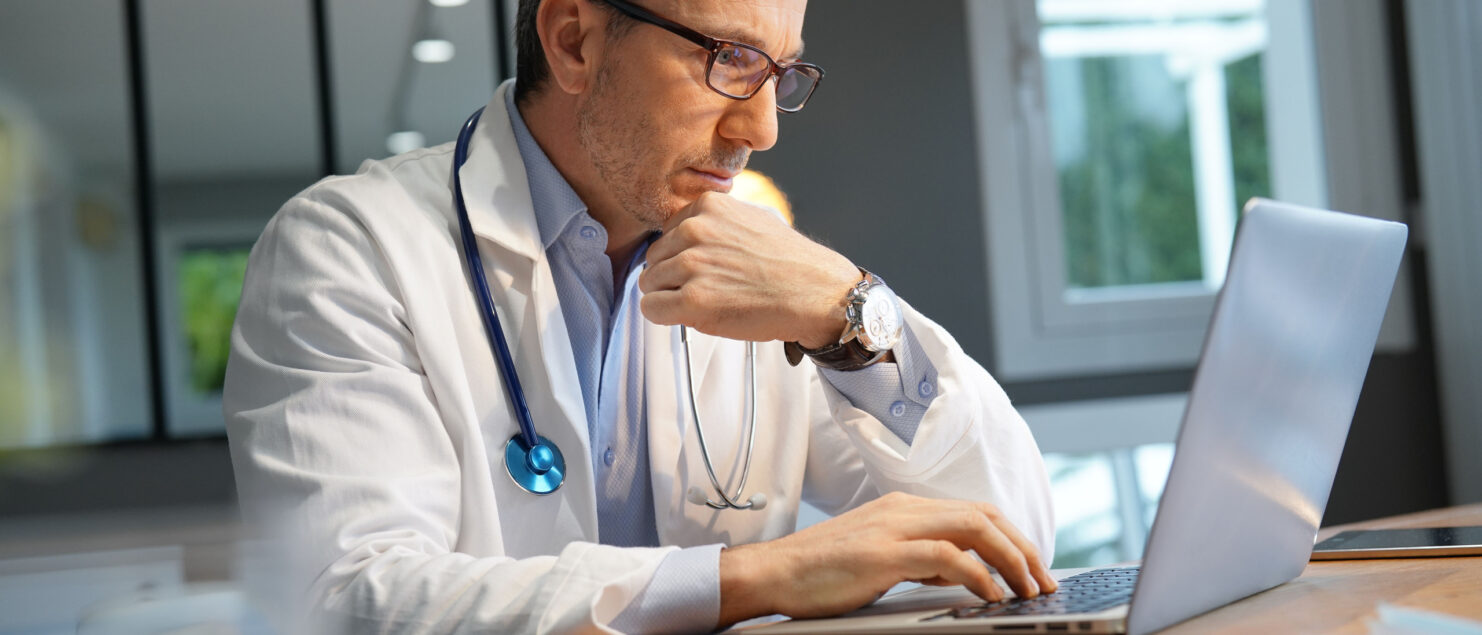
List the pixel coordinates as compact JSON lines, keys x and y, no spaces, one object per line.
{"x":896,"y":394}
{"x":682,"y":597}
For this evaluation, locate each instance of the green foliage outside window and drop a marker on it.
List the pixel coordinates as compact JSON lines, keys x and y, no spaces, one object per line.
{"x":1129,"y":203}
{"x":210,"y":287}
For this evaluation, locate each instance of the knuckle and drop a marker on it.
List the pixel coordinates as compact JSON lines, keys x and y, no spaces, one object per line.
{"x":944,"y":551}
{"x":973,"y":522}
{"x":701,"y":229}
{"x":992,"y":512}
{"x":691,"y":295}
{"x":895,"y":497}
{"x":1015,"y":561}
{"x":688,"y":261}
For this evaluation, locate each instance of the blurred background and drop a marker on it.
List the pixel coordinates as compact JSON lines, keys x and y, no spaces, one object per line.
{"x":1057,"y":182}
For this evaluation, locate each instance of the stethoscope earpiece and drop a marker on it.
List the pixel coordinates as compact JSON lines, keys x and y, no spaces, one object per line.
{"x":694,"y":494}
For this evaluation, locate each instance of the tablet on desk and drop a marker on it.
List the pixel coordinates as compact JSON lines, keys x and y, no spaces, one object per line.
{"x":1401,"y":543}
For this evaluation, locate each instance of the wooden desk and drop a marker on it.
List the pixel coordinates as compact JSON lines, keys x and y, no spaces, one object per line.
{"x":1339,"y":596}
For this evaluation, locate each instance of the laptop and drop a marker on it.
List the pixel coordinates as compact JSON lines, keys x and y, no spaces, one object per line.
{"x":1283,"y":362}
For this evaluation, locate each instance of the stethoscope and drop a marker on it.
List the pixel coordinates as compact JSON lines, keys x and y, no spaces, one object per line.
{"x":533,"y":461}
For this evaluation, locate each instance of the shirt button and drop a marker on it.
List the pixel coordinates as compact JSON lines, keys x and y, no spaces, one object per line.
{"x":609,"y":456}
{"x":898,"y":409}
{"x":589,"y":232}
{"x":926,"y":388}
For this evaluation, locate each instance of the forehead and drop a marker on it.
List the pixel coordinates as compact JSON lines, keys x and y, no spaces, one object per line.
{"x":775,"y":26}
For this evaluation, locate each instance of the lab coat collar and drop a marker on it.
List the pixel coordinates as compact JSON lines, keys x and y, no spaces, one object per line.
{"x":495,"y":186}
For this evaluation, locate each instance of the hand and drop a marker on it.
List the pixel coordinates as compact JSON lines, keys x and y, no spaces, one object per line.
{"x":847,"y":562}
{"x":734,"y":270}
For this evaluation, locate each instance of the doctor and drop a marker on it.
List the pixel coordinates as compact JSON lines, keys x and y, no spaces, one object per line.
{"x":369,"y":419}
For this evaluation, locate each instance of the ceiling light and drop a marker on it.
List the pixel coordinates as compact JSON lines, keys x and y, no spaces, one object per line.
{"x":432,"y":51}
{"x":448,"y":3}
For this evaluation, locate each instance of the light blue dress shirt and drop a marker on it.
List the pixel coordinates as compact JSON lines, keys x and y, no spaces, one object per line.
{"x":606,"y":332}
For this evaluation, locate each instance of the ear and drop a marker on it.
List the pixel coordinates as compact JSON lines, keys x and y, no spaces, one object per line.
{"x":571,"y":36}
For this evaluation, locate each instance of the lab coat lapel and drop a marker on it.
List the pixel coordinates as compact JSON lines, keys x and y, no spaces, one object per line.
{"x":497,"y":193}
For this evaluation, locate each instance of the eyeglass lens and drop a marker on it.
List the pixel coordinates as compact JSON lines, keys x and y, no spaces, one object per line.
{"x":739,"y":71}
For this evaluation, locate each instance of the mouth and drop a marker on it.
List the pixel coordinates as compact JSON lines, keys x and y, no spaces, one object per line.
{"x":716,"y":179}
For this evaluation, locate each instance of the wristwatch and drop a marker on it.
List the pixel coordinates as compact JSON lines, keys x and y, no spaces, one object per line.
{"x":873,"y":325}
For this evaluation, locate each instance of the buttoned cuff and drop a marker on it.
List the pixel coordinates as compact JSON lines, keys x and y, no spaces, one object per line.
{"x":896,"y":394}
{"x":682,"y":597}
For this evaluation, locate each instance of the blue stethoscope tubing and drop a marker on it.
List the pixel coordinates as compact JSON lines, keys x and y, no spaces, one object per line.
{"x":534,"y":462}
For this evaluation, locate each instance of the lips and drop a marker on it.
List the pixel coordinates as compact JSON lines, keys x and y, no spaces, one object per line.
{"x":720,"y":180}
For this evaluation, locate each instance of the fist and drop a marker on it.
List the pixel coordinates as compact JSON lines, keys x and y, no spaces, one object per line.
{"x":734,"y":270}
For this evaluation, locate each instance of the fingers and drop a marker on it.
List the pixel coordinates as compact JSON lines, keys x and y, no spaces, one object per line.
{"x":680,"y":232}
{"x":942,"y":560}
{"x":983,"y":529}
{"x":665,"y":308}
{"x":693,"y":209}
{"x":982,"y":535}
{"x":670,"y":273}
{"x":1037,"y":566}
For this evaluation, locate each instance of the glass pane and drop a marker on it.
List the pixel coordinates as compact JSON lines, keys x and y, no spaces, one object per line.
{"x":406,"y":74}
{"x":234,"y":131}
{"x":1088,"y":527}
{"x":1105,"y":503}
{"x":73,"y":363}
{"x":1152,"y":463}
{"x":1158,"y":134}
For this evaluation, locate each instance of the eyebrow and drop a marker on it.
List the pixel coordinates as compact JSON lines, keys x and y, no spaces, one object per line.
{"x":747,"y":37}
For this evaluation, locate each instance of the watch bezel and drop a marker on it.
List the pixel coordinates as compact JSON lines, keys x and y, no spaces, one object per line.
{"x":875,"y":294}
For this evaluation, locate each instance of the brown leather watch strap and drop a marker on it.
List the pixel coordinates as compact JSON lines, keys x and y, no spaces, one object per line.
{"x":851,"y":355}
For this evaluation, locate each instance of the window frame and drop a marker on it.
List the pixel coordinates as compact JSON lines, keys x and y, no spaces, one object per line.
{"x":1038,"y":332}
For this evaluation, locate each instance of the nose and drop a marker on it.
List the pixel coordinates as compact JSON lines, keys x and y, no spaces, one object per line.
{"x":752,"y":121}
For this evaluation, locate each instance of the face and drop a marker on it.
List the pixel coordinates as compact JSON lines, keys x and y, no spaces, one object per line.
{"x":656,"y":134}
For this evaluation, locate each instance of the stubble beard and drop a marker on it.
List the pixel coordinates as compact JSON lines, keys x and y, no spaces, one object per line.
{"x":615,"y":145}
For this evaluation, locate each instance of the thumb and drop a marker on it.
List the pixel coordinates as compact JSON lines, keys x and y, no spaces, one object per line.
{"x":688,"y":211}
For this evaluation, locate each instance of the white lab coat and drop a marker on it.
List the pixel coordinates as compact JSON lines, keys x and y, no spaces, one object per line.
{"x":368,"y":421}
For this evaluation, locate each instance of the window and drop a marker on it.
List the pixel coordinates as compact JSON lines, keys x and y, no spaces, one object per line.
{"x":1118,"y":139}
{"x":71,"y":323}
{"x":1105,"y":502}
{"x":125,"y":225}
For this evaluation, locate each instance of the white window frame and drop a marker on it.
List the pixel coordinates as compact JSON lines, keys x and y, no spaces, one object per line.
{"x":1040,"y":330}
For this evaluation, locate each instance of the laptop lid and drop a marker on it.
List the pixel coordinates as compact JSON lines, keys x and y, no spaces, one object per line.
{"x":1283,"y":362}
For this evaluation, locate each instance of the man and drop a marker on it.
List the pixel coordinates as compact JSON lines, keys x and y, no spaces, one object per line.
{"x":369,"y":423}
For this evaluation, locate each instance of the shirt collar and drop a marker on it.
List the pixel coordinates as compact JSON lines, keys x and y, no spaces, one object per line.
{"x":556,"y":204}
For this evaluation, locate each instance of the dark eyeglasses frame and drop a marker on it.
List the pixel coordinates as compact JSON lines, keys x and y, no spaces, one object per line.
{"x":714,"y":46}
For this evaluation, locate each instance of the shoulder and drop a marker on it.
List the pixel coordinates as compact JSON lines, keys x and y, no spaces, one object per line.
{"x":406,"y":192}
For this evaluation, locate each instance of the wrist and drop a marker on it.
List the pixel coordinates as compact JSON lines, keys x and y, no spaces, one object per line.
{"x":743,"y":585}
{"x":830,"y":322}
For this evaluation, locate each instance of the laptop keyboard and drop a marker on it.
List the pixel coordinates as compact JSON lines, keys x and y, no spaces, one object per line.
{"x":1088,"y":592}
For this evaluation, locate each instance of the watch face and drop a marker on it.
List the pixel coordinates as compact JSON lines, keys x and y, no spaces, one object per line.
{"x":881,"y":322}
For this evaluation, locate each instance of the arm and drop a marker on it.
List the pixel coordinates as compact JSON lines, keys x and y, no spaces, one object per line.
{"x":346,"y":467}
{"x":730,"y":270}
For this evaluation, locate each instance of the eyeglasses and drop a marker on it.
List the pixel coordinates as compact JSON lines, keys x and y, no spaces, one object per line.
{"x":738,"y":70}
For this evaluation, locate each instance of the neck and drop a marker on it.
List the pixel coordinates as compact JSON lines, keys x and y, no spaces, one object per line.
{"x":551,"y":117}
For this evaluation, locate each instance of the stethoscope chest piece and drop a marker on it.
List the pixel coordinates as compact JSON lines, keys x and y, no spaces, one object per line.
{"x":538,"y":470}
